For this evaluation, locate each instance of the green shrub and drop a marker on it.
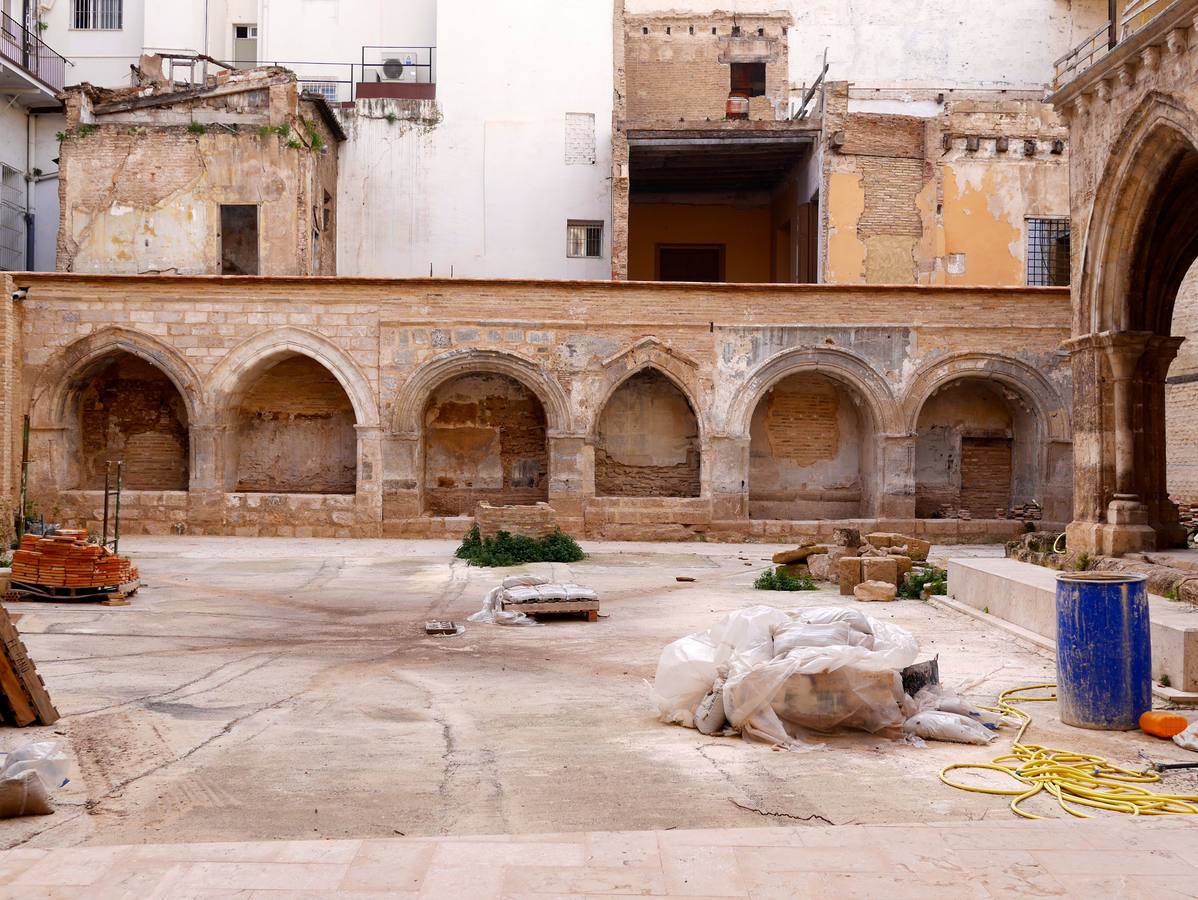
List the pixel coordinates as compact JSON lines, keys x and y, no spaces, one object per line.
{"x":778,"y":580}
{"x":197,"y":128}
{"x":913,"y":584}
{"x":506,"y":549}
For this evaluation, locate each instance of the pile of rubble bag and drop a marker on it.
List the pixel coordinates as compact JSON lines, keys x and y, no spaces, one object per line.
{"x":772,"y":675}
{"x":518,"y":589}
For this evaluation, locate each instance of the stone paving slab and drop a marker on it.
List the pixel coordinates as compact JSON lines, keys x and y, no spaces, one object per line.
{"x":1097,"y":858}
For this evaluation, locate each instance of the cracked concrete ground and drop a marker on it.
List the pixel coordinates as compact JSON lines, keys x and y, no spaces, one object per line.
{"x":272,"y":688}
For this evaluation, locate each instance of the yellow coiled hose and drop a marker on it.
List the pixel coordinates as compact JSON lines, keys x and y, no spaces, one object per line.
{"x":1074,"y":779}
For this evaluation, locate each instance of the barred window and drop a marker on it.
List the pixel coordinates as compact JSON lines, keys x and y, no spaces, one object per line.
{"x":106,"y":15}
{"x":12,"y":219}
{"x":1048,"y":251}
{"x":326,"y":89}
{"x":584,"y":239}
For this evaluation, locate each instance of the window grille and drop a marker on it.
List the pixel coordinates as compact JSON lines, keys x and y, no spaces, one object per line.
{"x":98,"y":15}
{"x":1048,"y":251}
{"x":12,"y":219}
{"x":584,"y":239}
{"x":326,"y":89}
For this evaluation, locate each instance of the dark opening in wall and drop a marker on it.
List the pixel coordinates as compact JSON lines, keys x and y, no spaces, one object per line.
{"x":238,"y":239}
{"x":747,"y":79}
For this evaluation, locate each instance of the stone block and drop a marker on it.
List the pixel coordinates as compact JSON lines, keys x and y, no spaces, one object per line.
{"x":821,"y":566}
{"x":849,"y":538}
{"x":873,"y":591}
{"x":880,"y":568}
{"x":849,"y":569}
{"x":880,"y":538}
{"x":785,"y":557}
{"x":904,"y":565}
{"x":917,"y":548}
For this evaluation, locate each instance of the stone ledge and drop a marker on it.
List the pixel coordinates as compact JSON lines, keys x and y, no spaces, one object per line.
{"x":1025,"y":596}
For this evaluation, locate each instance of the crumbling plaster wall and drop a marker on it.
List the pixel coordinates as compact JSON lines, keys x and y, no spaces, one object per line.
{"x":810,"y":454}
{"x":140,"y":190}
{"x":391,"y":345}
{"x":485,"y":440}
{"x":295,"y":432}
{"x":942,"y":197}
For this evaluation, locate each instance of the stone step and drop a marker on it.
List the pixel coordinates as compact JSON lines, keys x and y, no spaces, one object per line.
{"x":1025,"y":595}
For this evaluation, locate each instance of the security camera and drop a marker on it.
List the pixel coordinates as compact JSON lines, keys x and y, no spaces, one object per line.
{"x":20,"y":294}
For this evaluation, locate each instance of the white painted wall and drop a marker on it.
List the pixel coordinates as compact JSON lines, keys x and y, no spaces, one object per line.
{"x":486,"y":191}
{"x":934,"y":43}
{"x":100,"y":57}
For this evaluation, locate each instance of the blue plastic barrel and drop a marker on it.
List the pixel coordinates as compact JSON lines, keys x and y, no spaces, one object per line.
{"x":1104,"y":653}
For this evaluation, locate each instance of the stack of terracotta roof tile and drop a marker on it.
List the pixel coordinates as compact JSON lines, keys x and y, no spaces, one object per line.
{"x":66,"y":559}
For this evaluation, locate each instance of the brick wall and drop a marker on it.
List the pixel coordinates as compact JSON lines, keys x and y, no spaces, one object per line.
{"x":985,"y":476}
{"x":678,"y":66}
{"x":1181,"y":398}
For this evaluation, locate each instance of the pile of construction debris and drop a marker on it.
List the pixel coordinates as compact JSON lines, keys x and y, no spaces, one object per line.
{"x":772,"y":675}
{"x":64,"y":565}
{"x":873,"y":569}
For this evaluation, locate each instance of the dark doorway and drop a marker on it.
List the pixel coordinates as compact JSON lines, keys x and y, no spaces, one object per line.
{"x":690,"y":262}
{"x":747,"y":80}
{"x":238,"y":239}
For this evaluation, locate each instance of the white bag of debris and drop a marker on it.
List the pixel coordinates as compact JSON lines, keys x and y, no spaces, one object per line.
{"x":515,"y":581}
{"x":934,"y":725}
{"x":822,"y":669}
{"x":1188,"y":739}
{"x":493,"y":613}
{"x":27,"y":776}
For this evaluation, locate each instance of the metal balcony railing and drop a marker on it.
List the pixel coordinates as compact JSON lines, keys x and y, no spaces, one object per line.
{"x":1126,"y":19}
{"x":22,"y":46}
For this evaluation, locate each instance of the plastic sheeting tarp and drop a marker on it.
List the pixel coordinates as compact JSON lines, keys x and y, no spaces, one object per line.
{"x":819,"y":669}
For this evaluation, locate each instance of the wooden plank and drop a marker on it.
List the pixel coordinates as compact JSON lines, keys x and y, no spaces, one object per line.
{"x":26,"y":672}
{"x":552,"y":606}
{"x":14,"y":695}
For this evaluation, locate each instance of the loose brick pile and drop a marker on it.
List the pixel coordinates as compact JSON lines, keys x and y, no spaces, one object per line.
{"x":66,"y":559}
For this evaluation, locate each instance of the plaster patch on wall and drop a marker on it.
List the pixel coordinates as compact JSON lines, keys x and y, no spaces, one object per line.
{"x":846,"y":251}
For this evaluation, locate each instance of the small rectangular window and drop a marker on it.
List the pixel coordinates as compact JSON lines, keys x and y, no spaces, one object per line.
{"x":584,"y":239}
{"x":98,"y":15}
{"x":12,"y":218}
{"x":1048,"y":251}
{"x":748,"y":79}
{"x":238,"y":239}
{"x":326,"y":89}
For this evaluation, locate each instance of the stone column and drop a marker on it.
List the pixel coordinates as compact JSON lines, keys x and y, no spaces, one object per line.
{"x":895,"y":478}
{"x":207,"y":471}
{"x":400,"y":463}
{"x":368,"y":499}
{"x":728,"y":478}
{"x":571,"y":480}
{"x":1153,"y":440}
{"x":1123,"y":352}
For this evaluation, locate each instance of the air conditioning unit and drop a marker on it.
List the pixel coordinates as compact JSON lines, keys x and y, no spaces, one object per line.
{"x":402,"y":68}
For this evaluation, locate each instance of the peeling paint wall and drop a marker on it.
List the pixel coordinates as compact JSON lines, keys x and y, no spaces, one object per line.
{"x":131,"y":412}
{"x":647,"y":443}
{"x":295,"y":432}
{"x":485,"y":439}
{"x":808,"y":446}
{"x":140,"y":190}
{"x":942,"y":197}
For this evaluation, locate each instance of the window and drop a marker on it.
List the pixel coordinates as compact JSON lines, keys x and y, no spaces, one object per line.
{"x":748,"y":79}
{"x":1048,"y":251}
{"x":98,"y":15}
{"x":326,"y":89}
{"x":584,"y":239}
{"x":238,"y":239}
{"x":12,"y":219}
{"x":690,"y":262}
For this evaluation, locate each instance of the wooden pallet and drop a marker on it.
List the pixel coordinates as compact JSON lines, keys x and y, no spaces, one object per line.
{"x":109,"y":595}
{"x":553,"y":607}
{"x":22,"y":691}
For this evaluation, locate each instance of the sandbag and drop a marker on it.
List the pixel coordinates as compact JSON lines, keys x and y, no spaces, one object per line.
{"x":513,"y":581}
{"x":801,"y":634}
{"x":578,"y":592}
{"x":710,"y":717}
{"x":24,"y":795}
{"x":934,"y":725}
{"x":27,"y":775}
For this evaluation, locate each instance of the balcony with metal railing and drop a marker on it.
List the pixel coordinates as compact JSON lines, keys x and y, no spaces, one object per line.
{"x":1126,"y":18}
{"x":27,"y":63}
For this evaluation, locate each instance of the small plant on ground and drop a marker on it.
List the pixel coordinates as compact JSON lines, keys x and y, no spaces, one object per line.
{"x":1165,"y":680}
{"x":913,"y":584}
{"x":506,"y":549}
{"x":1083,"y":561}
{"x":1171,"y":594}
{"x":1029,"y":526}
{"x":779,"y":580}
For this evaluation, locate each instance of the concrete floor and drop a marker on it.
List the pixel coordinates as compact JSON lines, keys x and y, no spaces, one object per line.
{"x":284,"y":689}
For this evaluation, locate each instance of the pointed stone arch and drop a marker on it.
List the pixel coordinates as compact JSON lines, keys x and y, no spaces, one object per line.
{"x":245,"y":362}
{"x":407,"y":415}
{"x":650,"y":353}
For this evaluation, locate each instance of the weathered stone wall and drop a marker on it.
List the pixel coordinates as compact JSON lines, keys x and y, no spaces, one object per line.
{"x":394,"y":346}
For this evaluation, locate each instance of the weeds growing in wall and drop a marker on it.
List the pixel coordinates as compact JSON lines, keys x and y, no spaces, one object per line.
{"x":506,"y":549}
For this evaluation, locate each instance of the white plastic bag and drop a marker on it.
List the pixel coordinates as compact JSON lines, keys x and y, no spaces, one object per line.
{"x":578,"y":592}
{"x":1188,"y":739}
{"x":492,"y":612}
{"x":934,"y":725}
{"x":524,"y":581}
{"x":710,"y":717}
